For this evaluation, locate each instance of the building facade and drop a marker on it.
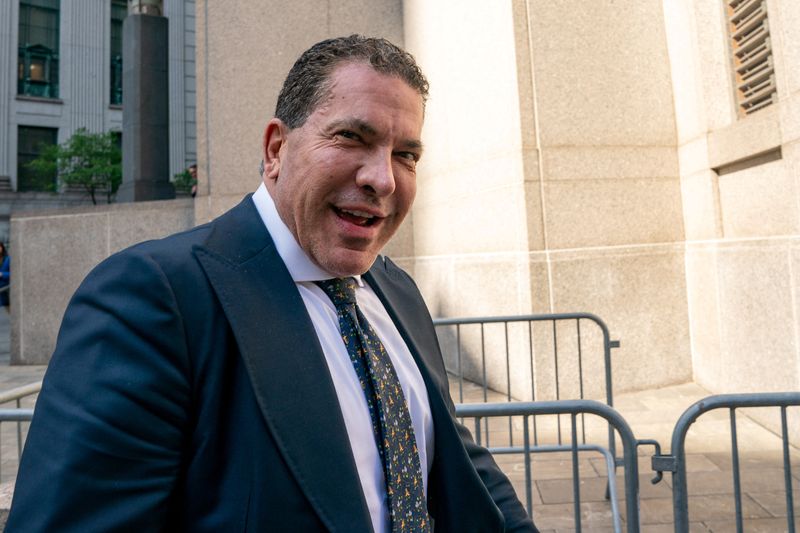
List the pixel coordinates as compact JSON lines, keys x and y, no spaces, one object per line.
{"x":637,"y":159}
{"x":61,"y":70}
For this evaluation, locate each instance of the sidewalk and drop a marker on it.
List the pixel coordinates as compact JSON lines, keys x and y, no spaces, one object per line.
{"x":651,"y":414}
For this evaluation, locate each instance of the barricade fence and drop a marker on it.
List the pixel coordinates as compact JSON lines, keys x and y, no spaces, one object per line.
{"x":676,"y":463}
{"x":553,"y":356}
{"x":522,"y":431}
{"x":530,"y":357}
{"x":16,"y":405}
{"x":523,"y":415}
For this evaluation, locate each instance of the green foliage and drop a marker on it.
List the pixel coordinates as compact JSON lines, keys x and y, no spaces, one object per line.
{"x":90,"y":160}
{"x":44,"y":169}
{"x":183,"y":181}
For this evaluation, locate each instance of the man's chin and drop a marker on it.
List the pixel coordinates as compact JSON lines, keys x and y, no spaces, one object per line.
{"x":347,"y":263}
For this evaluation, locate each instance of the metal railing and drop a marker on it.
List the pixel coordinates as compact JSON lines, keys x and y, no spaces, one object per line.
{"x":539,"y":344}
{"x":560,"y":357}
{"x":574,"y":409}
{"x":17,"y":414}
{"x":676,"y":461}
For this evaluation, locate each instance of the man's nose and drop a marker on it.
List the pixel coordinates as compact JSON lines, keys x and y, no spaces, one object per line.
{"x":377,"y":173}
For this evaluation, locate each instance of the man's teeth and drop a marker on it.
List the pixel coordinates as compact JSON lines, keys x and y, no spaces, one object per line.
{"x":361,"y":214}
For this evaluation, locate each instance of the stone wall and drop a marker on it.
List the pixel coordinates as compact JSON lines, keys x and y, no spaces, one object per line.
{"x":53,"y":252}
{"x":740,"y":178}
{"x":550,"y":181}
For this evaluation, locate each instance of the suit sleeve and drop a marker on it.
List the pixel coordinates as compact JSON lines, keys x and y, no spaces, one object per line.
{"x":495,"y":481}
{"x":104,"y":448}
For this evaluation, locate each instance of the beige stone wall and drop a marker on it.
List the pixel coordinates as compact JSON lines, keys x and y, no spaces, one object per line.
{"x":551,"y":180}
{"x":469,"y":215}
{"x":740,"y":210}
{"x":611,"y":192}
{"x":53,"y":252}
{"x":471,"y":238}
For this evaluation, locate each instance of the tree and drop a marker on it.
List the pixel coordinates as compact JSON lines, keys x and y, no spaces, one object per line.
{"x":90,"y":160}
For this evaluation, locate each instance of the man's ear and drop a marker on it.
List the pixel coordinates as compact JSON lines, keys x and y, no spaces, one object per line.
{"x":273,"y":142}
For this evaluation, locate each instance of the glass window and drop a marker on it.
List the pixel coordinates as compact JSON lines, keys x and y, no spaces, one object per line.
{"x":119,"y":10}
{"x":37,"y":73}
{"x":30,"y":142}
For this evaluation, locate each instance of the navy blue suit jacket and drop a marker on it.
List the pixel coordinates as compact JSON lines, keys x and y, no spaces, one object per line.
{"x":188,"y":392}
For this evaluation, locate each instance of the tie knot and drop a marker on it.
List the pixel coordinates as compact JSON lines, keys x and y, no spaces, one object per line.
{"x":341,"y":291}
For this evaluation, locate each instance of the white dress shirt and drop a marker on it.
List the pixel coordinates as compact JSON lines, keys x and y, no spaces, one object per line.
{"x":352,"y":402}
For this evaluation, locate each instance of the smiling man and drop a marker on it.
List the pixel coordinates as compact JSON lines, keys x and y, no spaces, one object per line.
{"x":270,"y":371}
{"x":345,"y":180}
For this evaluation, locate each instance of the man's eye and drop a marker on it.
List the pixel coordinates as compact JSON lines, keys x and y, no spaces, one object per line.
{"x":411,"y":156}
{"x":347,"y":134}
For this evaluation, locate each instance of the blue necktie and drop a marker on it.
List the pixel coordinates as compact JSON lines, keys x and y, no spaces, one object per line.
{"x":391,"y":421}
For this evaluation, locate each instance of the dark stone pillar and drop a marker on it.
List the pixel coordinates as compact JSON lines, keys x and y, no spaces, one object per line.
{"x":145,"y":109}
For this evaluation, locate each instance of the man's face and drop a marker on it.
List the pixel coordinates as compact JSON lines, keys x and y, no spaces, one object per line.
{"x":345,"y":180}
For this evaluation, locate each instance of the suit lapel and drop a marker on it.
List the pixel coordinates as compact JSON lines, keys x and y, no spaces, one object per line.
{"x":286,"y":365}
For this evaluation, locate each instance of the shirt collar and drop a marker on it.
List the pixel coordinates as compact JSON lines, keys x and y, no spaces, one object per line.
{"x":300,"y":266}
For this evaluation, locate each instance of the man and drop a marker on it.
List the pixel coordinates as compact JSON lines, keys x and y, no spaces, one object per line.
{"x":201,"y":382}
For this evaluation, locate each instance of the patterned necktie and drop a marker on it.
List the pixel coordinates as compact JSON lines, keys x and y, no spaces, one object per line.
{"x":391,"y":421}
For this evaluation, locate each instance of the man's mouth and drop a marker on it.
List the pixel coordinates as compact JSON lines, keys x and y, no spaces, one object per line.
{"x":359,"y":218}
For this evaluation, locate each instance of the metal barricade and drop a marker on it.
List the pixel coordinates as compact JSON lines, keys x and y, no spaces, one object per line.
{"x":18,"y":414}
{"x":564,"y":368}
{"x":574,"y":409}
{"x":533,"y":357}
{"x":676,"y":461}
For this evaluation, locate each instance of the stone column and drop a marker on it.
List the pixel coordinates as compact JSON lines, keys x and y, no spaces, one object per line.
{"x":145,"y":104}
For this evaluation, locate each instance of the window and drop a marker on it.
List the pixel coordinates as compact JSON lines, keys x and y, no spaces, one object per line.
{"x":30,"y":142}
{"x":753,"y":67}
{"x":38,"y":48}
{"x":119,"y":10}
